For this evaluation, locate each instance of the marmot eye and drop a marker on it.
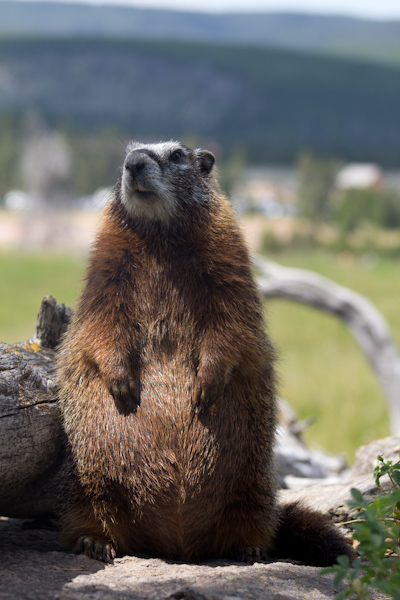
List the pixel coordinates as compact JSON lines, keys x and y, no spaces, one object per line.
{"x":176,"y":156}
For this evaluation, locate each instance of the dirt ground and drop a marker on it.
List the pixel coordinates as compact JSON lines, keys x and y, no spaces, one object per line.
{"x":74,"y":231}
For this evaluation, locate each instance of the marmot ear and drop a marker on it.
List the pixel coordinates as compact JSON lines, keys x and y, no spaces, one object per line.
{"x":205,"y":161}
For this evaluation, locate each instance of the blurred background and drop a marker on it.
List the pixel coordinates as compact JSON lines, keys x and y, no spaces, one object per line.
{"x":301,"y":109}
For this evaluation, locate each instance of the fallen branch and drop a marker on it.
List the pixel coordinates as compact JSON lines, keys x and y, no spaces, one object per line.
{"x":365,"y":322}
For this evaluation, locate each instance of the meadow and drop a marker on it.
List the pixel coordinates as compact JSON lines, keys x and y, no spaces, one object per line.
{"x":25,"y":278}
{"x":323,"y":374}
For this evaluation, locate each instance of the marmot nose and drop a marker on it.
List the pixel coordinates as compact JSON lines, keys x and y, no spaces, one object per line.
{"x":135,"y":163}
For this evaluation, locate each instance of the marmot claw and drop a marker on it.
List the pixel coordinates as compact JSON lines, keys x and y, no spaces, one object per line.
{"x":209,"y":389}
{"x":126,"y":395}
{"x":250,"y":555}
{"x":95,"y":548}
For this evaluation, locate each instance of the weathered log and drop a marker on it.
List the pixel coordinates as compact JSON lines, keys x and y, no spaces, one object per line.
{"x":30,"y":429}
{"x":364,"y":321}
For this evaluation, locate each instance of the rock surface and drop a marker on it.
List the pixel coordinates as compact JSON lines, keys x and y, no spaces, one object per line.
{"x":33,"y":567}
{"x":332,"y":498}
{"x":366,"y":456}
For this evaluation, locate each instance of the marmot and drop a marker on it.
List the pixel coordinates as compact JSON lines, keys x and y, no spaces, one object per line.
{"x":167,"y":385}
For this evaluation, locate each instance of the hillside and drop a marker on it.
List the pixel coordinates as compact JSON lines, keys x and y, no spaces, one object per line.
{"x":272,"y":103}
{"x":335,"y":35}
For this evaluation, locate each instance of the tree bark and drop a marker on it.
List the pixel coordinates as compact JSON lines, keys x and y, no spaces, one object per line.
{"x":30,"y":428}
{"x":364,"y":321}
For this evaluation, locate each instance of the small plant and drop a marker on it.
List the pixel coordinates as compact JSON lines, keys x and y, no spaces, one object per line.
{"x":377,"y":530}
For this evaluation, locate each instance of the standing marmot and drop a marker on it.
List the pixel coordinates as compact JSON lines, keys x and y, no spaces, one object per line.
{"x":167,"y":386}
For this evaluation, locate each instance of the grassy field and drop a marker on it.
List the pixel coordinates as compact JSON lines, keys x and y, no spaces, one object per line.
{"x":25,"y":278}
{"x":323,"y":374}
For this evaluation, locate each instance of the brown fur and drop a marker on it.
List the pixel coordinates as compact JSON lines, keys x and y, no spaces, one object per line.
{"x":167,"y":388}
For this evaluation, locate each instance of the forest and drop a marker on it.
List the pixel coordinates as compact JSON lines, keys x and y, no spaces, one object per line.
{"x":328,"y":34}
{"x":268,"y":103}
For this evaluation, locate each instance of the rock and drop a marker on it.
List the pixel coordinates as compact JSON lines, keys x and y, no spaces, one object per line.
{"x":333,"y":498}
{"x":33,"y":567}
{"x":366,"y":456}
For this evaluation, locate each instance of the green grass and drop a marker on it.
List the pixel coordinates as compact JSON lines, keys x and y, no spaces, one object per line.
{"x":25,"y":278}
{"x":323,"y":373}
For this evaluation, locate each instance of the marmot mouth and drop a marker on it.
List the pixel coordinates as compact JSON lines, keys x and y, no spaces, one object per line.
{"x":142,"y":193}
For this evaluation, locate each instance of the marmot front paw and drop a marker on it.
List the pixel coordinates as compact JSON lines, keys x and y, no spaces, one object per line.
{"x":126,"y":394}
{"x":209,"y":388}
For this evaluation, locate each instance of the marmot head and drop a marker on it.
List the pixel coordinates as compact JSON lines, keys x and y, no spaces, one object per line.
{"x":158,"y":179}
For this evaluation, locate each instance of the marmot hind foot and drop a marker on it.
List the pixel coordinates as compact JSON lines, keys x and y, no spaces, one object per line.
{"x":96,"y":548}
{"x":249,"y":555}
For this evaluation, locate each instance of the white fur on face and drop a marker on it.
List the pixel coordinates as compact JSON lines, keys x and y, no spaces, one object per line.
{"x":163,"y":149}
{"x":151,"y":195}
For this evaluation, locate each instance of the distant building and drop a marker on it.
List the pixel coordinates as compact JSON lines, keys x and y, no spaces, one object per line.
{"x":269,"y":191}
{"x":18,"y":200}
{"x":359,"y":176}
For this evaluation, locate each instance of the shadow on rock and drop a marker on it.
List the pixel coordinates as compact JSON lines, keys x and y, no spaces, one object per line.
{"x":33,"y":565}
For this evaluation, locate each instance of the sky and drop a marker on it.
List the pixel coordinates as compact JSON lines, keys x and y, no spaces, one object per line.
{"x":371,"y":9}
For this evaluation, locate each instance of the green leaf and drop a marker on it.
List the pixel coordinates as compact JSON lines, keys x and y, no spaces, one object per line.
{"x":377,"y":539}
{"x":343,"y":594}
{"x":343,"y":561}
{"x":359,"y":498}
{"x":356,"y":564}
{"x":339,"y":578}
{"x":396,"y":476}
{"x":358,"y":586}
{"x":329,"y":570}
